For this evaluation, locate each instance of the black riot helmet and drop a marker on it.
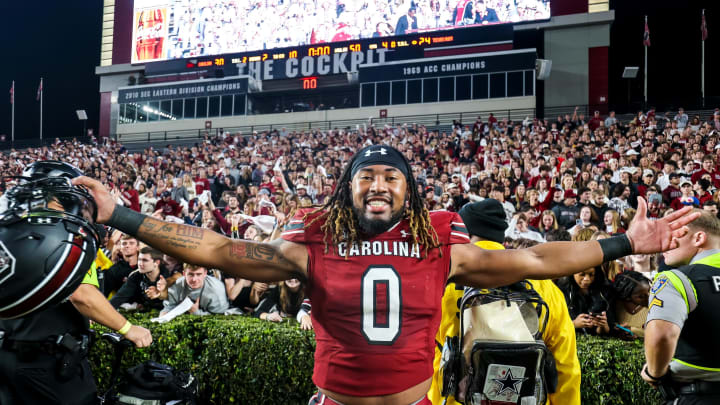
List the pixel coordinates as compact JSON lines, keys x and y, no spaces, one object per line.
{"x":48,"y":240}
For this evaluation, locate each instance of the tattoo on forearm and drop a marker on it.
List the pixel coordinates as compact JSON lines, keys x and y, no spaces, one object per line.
{"x":190,"y":231}
{"x":244,"y":250}
{"x":176,"y":236}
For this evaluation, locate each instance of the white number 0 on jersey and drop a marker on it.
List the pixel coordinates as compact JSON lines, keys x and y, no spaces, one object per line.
{"x":381,"y":333}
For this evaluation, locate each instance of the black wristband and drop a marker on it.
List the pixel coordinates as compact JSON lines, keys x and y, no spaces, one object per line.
{"x":126,"y":220}
{"x":615,"y":247}
{"x":647,"y":373}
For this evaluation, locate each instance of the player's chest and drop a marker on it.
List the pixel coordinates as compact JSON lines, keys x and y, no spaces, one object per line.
{"x":394,"y":274}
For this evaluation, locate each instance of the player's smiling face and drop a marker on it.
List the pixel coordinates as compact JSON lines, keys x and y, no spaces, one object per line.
{"x":379,"y":193}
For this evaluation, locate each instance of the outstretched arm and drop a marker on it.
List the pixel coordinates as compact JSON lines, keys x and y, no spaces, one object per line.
{"x":276,"y":261}
{"x":240,"y":258}
{"x":492,"y":268}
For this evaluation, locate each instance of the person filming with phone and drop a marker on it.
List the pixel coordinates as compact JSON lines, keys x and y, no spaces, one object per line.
{"x":588,"y":295}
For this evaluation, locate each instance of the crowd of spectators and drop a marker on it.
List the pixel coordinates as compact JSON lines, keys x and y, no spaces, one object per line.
{"x":558,"y":179}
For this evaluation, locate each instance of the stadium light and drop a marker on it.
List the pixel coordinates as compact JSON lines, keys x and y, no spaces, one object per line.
{"x":629,"y":73}
{"x":82,"y":116}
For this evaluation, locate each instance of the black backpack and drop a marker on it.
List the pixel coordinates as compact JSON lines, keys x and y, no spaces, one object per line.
{"x":499,"y":355}
{"x":152,"y":383}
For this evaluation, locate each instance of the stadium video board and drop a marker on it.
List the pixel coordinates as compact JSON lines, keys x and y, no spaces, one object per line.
{"x":180,"y":29}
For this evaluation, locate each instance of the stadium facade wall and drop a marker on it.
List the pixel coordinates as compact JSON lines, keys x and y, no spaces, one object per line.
{"x":568,"y":48}
{"x":514,"y":103}
{"x":574,"y":39}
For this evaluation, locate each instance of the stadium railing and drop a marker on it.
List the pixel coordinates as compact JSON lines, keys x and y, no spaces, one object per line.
{"x":431,"y":121}
{"x":35,"y":143}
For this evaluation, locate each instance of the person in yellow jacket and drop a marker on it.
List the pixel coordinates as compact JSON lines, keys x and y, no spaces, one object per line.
{"x":102,"y":261}
{"x":485,"y":221}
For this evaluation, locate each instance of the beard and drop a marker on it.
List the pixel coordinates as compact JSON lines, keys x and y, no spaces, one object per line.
{"x":374,"y":227}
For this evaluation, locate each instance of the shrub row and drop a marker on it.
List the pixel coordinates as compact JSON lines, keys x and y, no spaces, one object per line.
{"x":242,"y":360}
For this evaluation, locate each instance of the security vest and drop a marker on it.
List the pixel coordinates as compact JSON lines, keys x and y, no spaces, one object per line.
{"x":698,"y":343}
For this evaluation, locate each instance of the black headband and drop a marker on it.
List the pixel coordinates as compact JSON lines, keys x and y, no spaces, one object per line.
{"x":379,"y":155}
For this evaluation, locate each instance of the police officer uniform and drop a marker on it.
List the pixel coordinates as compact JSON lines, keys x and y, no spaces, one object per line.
{"x":689,"y":297}
{"x":43,"y":356}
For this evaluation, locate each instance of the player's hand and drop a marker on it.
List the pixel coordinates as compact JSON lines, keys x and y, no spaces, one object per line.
{"x":306,"y":323}
{"x":652,"y":236}
{"x":104,"y":200}
{"x":139,"y":335}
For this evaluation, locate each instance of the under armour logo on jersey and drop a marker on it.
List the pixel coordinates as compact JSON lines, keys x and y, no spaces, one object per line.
{"x":404,"y":234}
{"x":382,"y":151}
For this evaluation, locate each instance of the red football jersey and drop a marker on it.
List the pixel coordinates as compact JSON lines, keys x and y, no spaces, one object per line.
{"x":376,"y":313}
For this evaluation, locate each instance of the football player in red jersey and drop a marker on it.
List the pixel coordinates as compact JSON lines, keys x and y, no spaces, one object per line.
{"x":376,"y":263}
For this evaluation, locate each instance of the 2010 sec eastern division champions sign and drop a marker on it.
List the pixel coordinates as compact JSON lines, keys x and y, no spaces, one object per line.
{"x":189,"y":89}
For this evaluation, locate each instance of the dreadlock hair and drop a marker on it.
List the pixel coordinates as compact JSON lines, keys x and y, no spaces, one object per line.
{"x":341,"y":224}
{"x":626,"y":282}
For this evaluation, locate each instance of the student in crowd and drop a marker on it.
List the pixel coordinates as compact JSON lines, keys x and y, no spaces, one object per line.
{"x":632,"y":291}
{"x":206,"y":292}
{"x":136,"y":289}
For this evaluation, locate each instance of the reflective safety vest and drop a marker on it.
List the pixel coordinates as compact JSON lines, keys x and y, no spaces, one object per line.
{"x":698,"y":343}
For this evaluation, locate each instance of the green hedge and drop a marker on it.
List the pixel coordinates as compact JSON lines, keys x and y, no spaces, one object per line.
{"x":242,"y":360}
{"x":611,"y":372}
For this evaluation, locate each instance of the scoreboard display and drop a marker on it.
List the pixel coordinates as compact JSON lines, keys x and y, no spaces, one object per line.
{"x":180,"y":29}
{"x":200,"y":35}
{"x":342,"y":56}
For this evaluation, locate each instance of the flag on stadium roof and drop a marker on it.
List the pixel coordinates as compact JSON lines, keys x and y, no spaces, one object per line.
{"x":40,"y":90}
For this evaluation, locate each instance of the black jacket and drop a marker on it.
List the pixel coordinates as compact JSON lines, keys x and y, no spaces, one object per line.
{"x":134,"y":291}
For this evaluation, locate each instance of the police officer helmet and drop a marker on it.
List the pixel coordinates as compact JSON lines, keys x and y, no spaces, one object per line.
{"x":47,"y":239}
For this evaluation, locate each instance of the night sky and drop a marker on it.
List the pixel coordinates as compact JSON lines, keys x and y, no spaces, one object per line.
{"x":673,"y":56}
{"x":60,"y":41}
